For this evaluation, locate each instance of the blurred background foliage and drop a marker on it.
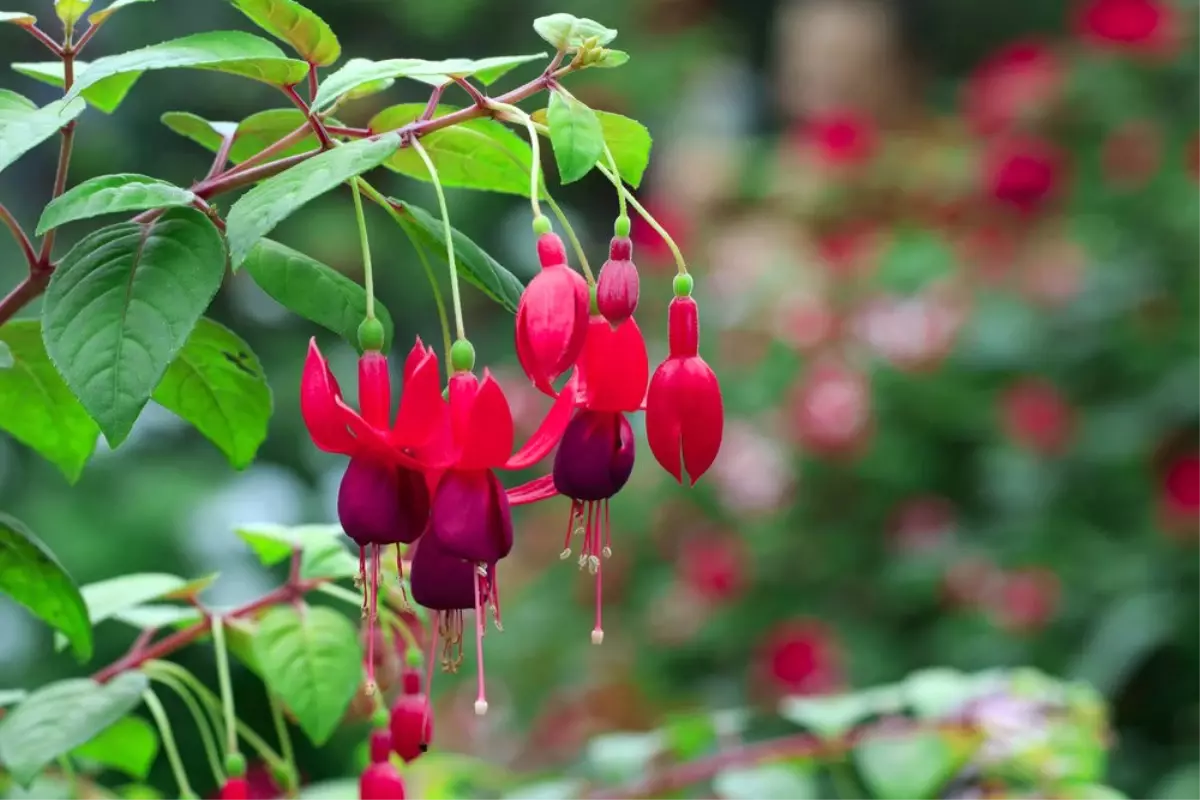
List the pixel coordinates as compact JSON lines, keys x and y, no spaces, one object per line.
{"x":959,"y":355}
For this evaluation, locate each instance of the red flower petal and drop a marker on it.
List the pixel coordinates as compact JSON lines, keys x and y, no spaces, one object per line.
{"x":551,"y":324}
{"x":320,"y":405}
{"x":537,"y":489}
{"x":550,"y":431}
{"x":684,"y":412}
{"x":483,"y":423}
{"x":423,"y":412}
{"x":374,"y":389}
{"x":615,"y":366}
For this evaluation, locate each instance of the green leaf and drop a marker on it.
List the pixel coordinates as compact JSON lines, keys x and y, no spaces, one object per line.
{"x":232,"y":52}
{"x":313,"y":290}
{"x":32,"y":576}
{"x":36,"y":406}
{"x":106,"y":95}
{"x":6,"y":357}
{"x":474,"y":265}
{"x":217,"y":384}
{"x":618,"y":757}
{"x":105,"y":599}
{"x":610,"y":59}
{"x":11,"y":102}
{"x":138,"y":791}
{"x":485,"y":70}
{"x":121,"y":305}
{"x":937,"y":692}
{"x":568,"y":32}
{"x":69,"y":11}
{"x":288,"y":21}
{"x":103,"y":14}
{"x":251,"y":136}
{"x":18,"y":18}
{"x":109,"y":194}
{"x":915,"y":259}
{"x":59,"y":717}
{"x":477,"y":154}
{"x":359,"y":71}
{"x":10,"y":697}
{"x":903,"y":767}
{"x":313,"y":661}
{"x":1181,"y":784}
{"x":157,"y":615}
{"x":1089,"y":791}
{"x":323,"y":555}
{"x":576,"y":135}
{"x":21,"y":131}
{"x":129,"y":746}
{"x":793,"y":781}
{"x":258,"y":211}
{"x":828,"y":717}
{"x":627,"y":139}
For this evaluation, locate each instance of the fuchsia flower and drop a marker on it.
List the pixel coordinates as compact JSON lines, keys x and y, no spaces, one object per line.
{"x":1036,"y":416}
{"x":1023,"y":172}
{"x":685,"y":416}
{"x":842,"y":138}
{"x":552,"y":316}
{"x":380,"y":780}
{"x":617,"y":286}
{"x":802,"y":657}
{"x":1012,"y":85}
{"x":1141,"y":26}
{"x":831,"y":409}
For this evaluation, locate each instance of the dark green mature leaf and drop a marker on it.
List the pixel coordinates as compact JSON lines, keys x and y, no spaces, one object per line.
{"x":627,"y":139}
{"x":915,"y":765}
{"x":217,"y":384}
{"x":313,"y":290}
{"x":21,"y":131}
{"x":251,"y":136}
{"x":105,"y":95}
{"x":291,"y":22}
{"x":31,"y":575}
{"x":36,"y":406}
{"x":109,"y":194}
{"x":129,"y":746}
{"x":11,"y":102}
{"x":106,"y":12}
{"x":258,"y":211}
{"x":474,"y":265}
{"x":313,"y":661}
{"x":59,"y":717}
{"x":568,"y":32}
{"x":576,"y":135}
{"x":477,"y":154}
{"x":323,"y":554}
{"x":121,"y":305}
{"x":233,"y":52}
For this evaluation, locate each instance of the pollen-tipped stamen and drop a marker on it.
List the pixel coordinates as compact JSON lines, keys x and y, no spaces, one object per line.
{"x":607,"y":552}
{"x":481,"y":704}
{"x":598,"y":631}
{"x":494,"y":597}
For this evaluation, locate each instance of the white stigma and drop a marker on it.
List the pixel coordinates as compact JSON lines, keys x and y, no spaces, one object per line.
{"x":597,"y":636}
{"x":480,"y":707}
{"x":565,"y":554}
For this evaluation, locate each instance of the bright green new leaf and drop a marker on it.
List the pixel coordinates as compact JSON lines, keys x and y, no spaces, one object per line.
{"x":258,"y":211}
{"x":568,"y":32}
{"x":107,"y":598}
{"x":828,"y":717}
{"x":32,"y":576}
{"x":313,"y":290}
{"x":901,"y":767}
{"x":37,"y":408}
{"x":358,"y":71}
{"x":69,"y":11}
{"x":937,"y":692}
{"x":576,"y":135}
{"x":129,"y":746}
{"x":477,"y":154}
{"x":251,"y":136}
{"x":11,"y":102}
{"x":794,"y":780}
{"x":485,"y":70}
{"x":61,"y":716}
{"x":291,"y":22}
{"x":203,"y":132}
{"x":369,"y":88}
{"x":610,"y":59}
{"x":312,"y":660}
{"x":323,"y":554}
{"x":474,"y":265}
{"x":158,"y":616}
{"x":217,"y":384}
{"x":18,"y":18}
{"x":106,"y":95}
{"x":233,"y":52}
{"x":627,"y":139}
{"x":109,"y":194}
{"x":21,"y":131}
{"x":121,"y":305}
{"x":98,"y":17}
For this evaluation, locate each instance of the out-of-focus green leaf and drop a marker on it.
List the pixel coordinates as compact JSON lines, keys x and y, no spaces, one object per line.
{"x":916,"y":764}
{"x":782,"y":781}
{"x":129,"y":746}
{"x":105,"y":95}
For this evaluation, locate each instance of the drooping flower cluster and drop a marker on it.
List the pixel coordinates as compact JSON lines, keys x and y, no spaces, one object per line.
{"x":425,"y":480}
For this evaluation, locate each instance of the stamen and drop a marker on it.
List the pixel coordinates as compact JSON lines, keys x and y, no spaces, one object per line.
{"x":360,"y":580}
{"x":372,"y":600}
{"x":566,"y":553}
{"x":607,"y":532}
{"x":494,"y":587}
{"x":481,"y":705}
{"x":598,"y":631}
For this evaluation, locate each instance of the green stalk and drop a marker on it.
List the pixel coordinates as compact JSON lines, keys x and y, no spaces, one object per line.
{"x":168,"y":742}
{"x":680,"y":264}
{"x":441,"y":198}
{"x":202,"y":722}
{"x":361,"y":221}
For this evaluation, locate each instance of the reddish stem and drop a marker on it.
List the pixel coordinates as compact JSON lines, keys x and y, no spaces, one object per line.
{"x":235,"y":180}
{"x":267,"y":153}
{"x":19,"y":234}
{"x":435,"y":97}
{"x":64,"y":156}
{"x":476,"y":96}
{"x":354,"y":133}
{"x":87,"y":37}
{"x":313,"y":120}
{"x":221,"y":158}
{"x":45,"y":39}
{"x":30,"y":287}
{"x":312,"y":82}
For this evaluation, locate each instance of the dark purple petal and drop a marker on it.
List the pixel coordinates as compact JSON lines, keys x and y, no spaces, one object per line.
{"x":471,"y":517}
{"x":595,"y":458}
{"x":440,"y":581}
{"x":382,"y":504}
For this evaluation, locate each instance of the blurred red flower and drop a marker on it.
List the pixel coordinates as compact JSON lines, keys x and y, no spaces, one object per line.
{"x":1036,"y":416}
{"x":1014,"y":84}
{"x":922,"y":523}
{"x":831,"y":409}
{"x":802,"y":657}
{"x":970,"y":581}
{"x":1027,"y":600}
{"x":1181,"y":488}
{"x":840,"y":138}
{"x":1023,"y":172}
{"x":1144,"y":26}
{"x":1132,"y":153}
{"x":713,"y":568}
